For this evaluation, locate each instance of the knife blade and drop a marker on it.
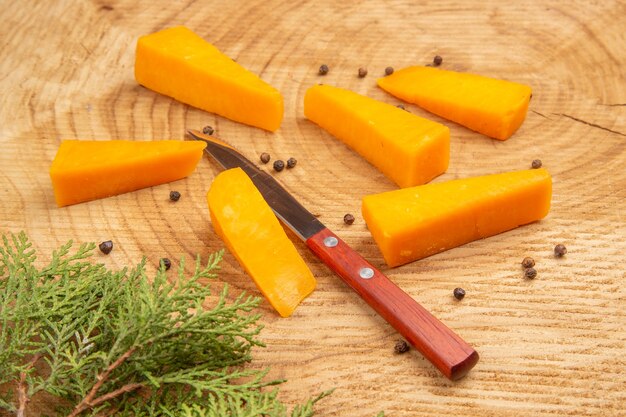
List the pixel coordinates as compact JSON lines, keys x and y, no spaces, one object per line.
{"x":441,"y":346}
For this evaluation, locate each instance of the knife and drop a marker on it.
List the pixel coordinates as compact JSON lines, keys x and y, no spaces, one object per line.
{"x":440,"y":345}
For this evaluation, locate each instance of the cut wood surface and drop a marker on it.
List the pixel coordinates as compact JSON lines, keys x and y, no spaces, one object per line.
{"x":555,"y":345}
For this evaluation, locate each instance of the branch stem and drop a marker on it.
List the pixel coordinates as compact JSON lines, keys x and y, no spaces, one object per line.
{"x":91,"y":400}
{"x":22,"y":394}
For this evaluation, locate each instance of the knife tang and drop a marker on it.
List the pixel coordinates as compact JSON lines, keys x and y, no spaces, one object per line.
{"x":440,"y":345}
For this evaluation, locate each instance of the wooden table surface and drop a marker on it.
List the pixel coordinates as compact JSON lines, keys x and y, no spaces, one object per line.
{"x":555,"y":345}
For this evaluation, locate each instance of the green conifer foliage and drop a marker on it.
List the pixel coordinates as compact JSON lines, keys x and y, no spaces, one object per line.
{"x":115,"y":342}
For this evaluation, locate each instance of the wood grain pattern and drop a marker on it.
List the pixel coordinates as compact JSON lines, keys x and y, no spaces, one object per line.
{"x":555,"y":345}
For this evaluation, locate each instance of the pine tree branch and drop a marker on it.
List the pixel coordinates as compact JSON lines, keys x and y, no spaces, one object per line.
{"x":109,"y":336}
{"x":90,"y":399}
{"x":21,"y":386}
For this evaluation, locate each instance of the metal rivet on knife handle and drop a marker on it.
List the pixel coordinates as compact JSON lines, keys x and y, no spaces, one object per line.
{"x":330,"y":242}
{"x":366,"y":273}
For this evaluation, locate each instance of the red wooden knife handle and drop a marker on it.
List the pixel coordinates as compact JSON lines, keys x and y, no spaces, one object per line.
{"x":442,"y":347}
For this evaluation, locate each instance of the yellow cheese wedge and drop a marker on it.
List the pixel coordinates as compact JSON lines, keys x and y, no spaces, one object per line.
{"x":85,"y":170}
{"x":493,"y":107}
{"x":180,"y":64}
{"x":413,"y":223}
{"x":408,"y":149}
{"x":252,"y":233}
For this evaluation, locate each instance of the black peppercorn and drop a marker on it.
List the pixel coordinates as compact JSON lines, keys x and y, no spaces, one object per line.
{"x":401,"y":347}
{"x":530,"y":273}
{"x":106,"y":247}
{"x":208,"y":130}
{"x":165,"y":262}
{"x":174,"y":195}
{"x":265,"y":157}
{"x":348,"y":219}
{"x":536,"y":164}
{"x":458,"y":293}
{"x":323,"y":69}
{"x":528,"y":262}
{"x":278,"y":165}
{"x":291,"y":162}
{"x":437,"y":60}
{"x":388,"y":70}
{"x":560,"y":250}
{"x":362,"y":72}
